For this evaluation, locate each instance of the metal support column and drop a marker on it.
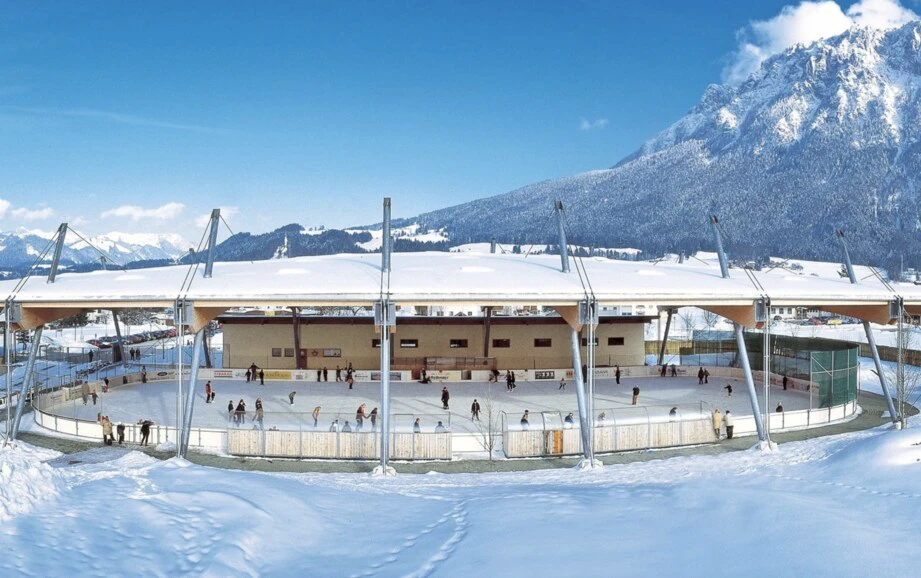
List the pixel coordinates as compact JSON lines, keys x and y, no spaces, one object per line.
{"x":564,"y":246}
{"x":893,"y":414}
{"x":668,"y":324}
{"x":296,"y":322}
{"x":385,"y":317}
{"x":749,"y":381}
{"x":766,"y":372}
{"x":585,"y":419}
{"x":7,"y":361}
{"x":212,"y":241}
{"x":120,"y":347}
{"x":868,"y":330}
{"x":190,"y":393}
{"x":27,"y":380}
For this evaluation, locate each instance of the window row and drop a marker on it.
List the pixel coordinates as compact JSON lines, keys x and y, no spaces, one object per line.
{"x":497,"y":343}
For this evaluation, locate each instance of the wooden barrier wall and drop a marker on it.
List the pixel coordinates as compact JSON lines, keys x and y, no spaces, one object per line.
{"x":612,"y":438}
{"x":333,"y":445}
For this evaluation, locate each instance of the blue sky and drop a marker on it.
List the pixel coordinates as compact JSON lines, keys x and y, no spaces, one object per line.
{"x":117,"y":118}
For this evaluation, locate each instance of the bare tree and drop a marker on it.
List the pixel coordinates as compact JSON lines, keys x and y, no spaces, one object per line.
{"x":488,"y":426}
{"x":710,"y":318}
{"x":907,"y":377}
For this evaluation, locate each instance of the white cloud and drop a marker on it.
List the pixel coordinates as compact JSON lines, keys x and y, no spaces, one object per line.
{"x":227,"y":213}
{"x":4,"y":206}
{"x":32,"y":215}
{"x":135,"y":213}
{"x":803,"y":24}
{"x":592,"y":125}
{"x":103,"y":115}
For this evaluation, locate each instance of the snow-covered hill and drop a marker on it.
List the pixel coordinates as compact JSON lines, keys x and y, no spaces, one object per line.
{"x":823,"y":136}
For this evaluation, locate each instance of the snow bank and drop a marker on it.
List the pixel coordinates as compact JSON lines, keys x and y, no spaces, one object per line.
{"x":25,"y":481}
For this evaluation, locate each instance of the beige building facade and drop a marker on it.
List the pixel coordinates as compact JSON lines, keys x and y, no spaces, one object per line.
{"x":430,"y":342}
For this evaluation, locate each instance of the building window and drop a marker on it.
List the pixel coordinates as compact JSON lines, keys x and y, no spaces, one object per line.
{"x":502,"y":343}
{"x":585,"y":342}
{"x":542,"y":342}
{"x":458,"y":344}
{"x":409,"y":343}
{"x":289,"y":352}
{"x":276,"y":352}
{"x":376,"y":343}
{"x":615,"y":340}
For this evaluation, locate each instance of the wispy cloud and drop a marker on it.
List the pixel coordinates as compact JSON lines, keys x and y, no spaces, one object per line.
{"x":106,"y":116}
{"x":227,"y":213}
{"x":11,"y":89}
{"x":598,"y":123}
{"x":4,"y":206}
{"x":32,"y":214}
{"x":803,"y":24}
{"x":136,"y":213}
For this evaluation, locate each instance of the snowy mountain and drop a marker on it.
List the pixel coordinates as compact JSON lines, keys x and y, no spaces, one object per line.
{"x":823,"y":136}
{"x":20,"y":249}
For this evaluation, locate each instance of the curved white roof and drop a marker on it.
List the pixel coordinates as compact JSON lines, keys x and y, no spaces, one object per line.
{"x":438,"y":278}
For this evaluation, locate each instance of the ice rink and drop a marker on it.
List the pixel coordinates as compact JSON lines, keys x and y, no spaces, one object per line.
{"x":157,"y":401}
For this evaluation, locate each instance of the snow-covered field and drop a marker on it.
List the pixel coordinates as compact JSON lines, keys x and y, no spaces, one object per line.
{"x":836,"y":506}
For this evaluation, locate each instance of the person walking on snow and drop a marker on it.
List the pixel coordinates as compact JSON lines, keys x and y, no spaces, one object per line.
{"x":95,"y":396}
{"x":291,"y":400}
{"x":261,"y":377}
{"x":208,"y":392}
{"x":315,"y":415}
{"x":617,"y":374}
{"x":445,"y":396}
{"x":706,"y":376}
{"x":248,"y":374}
{"x":728,"y":388}
{"x":525,"y":424}
{"x":700,"y":376}
{"x":636,"y":394}
{"x":562,"y":384}
{"x":373,"y":417}
{"x":85,"y":392}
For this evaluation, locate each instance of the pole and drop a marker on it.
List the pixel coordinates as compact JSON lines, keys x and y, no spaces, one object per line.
{"x":190,"y":393}
{"x":585,"y":420}
{"x":26,"y":380}
{"x":179,"y":415}
{"x":386,"y":246}
{"x":871,"y":341}
{"x":724,"y":264}
{"x":749,"y":381}
{"x":385,"y":387}
{"x":668,"y":324}
{"x":564,"y":246}
{"x":212,"y":241}
{"x":767,"y":373}
{"x":58,"y":248}
{"x":7,"y":359}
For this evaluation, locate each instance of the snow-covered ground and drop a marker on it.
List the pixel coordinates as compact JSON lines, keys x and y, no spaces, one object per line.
{"x":836,"y":506}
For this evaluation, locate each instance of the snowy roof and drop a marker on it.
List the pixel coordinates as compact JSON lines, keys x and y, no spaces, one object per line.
{"x":438,"y":277}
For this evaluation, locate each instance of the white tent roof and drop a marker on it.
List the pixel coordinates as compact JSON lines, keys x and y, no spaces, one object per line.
{"x":438,"y":278}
